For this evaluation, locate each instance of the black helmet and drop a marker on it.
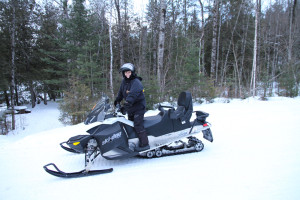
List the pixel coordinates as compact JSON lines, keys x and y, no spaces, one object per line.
{"x":127,"y":67}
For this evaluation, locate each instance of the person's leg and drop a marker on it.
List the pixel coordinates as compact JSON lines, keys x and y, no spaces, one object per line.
{"x":139,"y":128}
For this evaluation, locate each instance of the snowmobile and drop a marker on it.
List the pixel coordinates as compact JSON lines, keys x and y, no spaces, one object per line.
{"x":115,"y":138}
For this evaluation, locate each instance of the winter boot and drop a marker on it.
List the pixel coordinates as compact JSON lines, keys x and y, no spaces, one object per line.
{"x":144,"y":143}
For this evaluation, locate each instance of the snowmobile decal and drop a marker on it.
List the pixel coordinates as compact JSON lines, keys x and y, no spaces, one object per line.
{"x":113,"y":136}
{"x":76,"y":143}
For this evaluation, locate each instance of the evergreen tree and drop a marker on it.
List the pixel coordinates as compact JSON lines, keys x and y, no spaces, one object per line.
{"x":50,"y":53}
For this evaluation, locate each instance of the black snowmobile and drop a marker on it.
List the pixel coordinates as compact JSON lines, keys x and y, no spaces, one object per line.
{"x":115,"y":137}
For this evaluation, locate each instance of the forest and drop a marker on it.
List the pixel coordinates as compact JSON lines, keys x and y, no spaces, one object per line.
{"x":72,"y":50}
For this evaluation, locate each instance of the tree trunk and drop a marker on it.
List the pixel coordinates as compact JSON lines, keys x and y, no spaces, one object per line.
{"x":229,"y":47}
{"x":65,"y":9}
{"x":258,"y":43}
{"x":143,"y":51}
{"x":120,"y":32}
{"x":16,"y":95}
{"x":214,"y":39}
{"x":244,"y":42}
{"x":6,"y":98}
{"x":45,"y":98}
{"x":201,"y":42}
{"x":185,"y":17}
{"x":236,"y":69}
{"x":254,"y":65}
{"x":161,"y":43}
{"x":218,"y":46}
{"x":13,"y":65}
{"x":32,"y":94}
{"x":292,"y":5}
{"x":111,"y":55}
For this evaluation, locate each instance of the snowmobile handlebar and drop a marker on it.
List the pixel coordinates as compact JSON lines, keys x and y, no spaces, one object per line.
{"x":119,"y":109}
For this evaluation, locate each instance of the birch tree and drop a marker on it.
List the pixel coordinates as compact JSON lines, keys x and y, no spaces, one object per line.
{"x":120,"y":32}
{"x":161,"y":42}
{"x":111,"y":54}
{"x":214,"y":39}
{"x":201,"y":42}
{"x":254,"y":65}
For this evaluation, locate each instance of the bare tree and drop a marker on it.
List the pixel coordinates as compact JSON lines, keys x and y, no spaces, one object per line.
{"x":201,"y":41}
{"x":120,"y":32}
{"x":143,"y":48}
{"x":218,"y":44}
{"x":13,"y":65}
{"x":111,"y":54}
{"x":161,"y":42}
{"x":292,"y":5}
{"x":254,"y":65}
{"x":214,"y":39}
{"x":230,"y":44}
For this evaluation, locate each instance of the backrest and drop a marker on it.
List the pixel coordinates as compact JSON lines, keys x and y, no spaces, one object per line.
{"x":185,"y":100}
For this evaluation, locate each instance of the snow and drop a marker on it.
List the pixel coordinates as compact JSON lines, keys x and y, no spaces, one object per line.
{"x":255,"y":155}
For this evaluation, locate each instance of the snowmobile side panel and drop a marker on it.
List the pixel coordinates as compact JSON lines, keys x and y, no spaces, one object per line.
{"x":129,"y":131}
{"x":81,"y":173}
{"x":113,"y":142}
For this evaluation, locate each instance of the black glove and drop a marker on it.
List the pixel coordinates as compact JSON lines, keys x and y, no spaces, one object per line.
{"x":116,"y":103}
{"x":123,"y":110}
{"x":127,"y":105}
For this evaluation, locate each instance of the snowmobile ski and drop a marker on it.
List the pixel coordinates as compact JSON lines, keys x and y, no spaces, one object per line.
{"x":81,"y":173}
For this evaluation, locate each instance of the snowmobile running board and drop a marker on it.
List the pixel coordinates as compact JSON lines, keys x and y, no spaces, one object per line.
{"x":81,"y":173}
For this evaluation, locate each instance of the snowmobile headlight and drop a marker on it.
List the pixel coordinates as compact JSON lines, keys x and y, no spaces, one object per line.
{"x":76,"y":143}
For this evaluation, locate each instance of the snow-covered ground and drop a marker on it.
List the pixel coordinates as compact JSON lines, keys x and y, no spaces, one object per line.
{"x":255,"y":155}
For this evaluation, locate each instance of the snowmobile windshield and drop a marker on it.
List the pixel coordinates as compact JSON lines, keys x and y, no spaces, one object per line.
{"x":99,"y":111}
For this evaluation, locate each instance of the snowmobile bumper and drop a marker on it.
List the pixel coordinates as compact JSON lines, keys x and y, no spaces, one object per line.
{"x":76,"y":144}
{"x":81,"y":173}
{"x":67,"y":148}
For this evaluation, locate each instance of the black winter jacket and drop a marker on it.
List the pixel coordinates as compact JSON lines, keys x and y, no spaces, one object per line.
{"x":132,"y":91}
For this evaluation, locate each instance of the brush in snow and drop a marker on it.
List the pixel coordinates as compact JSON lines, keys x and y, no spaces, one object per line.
{"x":113,"y":136}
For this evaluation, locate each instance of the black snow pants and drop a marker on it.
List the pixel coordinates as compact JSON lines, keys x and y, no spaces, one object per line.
{"x":138,"y":121}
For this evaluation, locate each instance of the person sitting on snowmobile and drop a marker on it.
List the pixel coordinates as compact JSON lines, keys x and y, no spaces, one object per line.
{"x":131,"y":90}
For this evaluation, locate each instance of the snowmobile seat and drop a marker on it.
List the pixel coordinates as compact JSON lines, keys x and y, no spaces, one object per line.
{"x":152,"y":120}
{"x":184,"y":107}
{"x":159,"y":124}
